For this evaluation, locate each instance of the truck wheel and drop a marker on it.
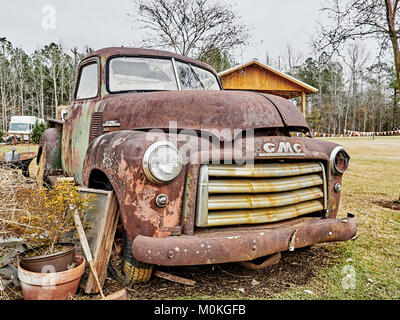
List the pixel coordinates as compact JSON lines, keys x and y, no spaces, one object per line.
{"x":134,"y":270}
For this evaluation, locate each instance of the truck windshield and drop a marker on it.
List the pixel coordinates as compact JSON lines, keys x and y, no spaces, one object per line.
{"x":147,"y":74}
{"x":18,"y":127}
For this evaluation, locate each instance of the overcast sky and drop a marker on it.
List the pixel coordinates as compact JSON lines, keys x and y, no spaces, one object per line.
{"x":102,"y":23}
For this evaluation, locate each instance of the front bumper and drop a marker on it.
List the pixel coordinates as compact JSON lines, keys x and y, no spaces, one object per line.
{"x":221,"y":246}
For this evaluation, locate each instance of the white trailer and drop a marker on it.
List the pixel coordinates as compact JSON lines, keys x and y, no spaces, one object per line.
{"x":21,"y":126}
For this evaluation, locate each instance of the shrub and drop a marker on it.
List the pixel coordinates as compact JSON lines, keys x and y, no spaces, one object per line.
{"x":37,"y":131}
{"x":43,"y":216}
{"x":1,"y":136}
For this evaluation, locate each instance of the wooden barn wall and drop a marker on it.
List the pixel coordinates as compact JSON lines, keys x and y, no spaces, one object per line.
{"x":254,"y":77}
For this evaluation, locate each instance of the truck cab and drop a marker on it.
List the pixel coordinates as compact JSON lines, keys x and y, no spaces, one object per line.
{"x":202,"y":175}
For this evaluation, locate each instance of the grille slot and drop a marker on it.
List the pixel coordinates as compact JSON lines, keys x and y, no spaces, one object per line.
{"x":96,"y":125}
{"x":231,"y":194}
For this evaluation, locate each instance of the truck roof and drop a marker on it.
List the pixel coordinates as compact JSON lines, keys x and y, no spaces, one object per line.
{"x":126,"y":51}
{"x":24,"y":119}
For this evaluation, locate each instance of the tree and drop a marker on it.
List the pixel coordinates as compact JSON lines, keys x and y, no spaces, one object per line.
{"x":220,"y":61}
{"x":38,"y":74}
{"x":37,"y":131}
{"x":328,"y":105}
{"x":394,"y":85}
{"x":361,"y":19}
{"x":190,"y":28}
{"x":52,"y":55}
{"x":35,"y":84}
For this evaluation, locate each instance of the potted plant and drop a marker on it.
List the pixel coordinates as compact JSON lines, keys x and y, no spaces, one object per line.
{"x":42,"y":217}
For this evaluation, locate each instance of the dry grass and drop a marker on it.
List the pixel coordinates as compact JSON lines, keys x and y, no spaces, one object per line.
{"x":10,"y":182}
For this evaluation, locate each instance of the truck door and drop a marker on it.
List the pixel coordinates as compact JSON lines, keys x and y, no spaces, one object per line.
{"x":75,"y":137}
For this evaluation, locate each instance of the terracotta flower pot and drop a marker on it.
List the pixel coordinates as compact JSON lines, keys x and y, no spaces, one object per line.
{"x":51,"y":286}
{"x":59,"y":260}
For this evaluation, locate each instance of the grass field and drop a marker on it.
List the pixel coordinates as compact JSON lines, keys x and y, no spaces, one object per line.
{"x":372,"y":181}
{"x":365,"y":268}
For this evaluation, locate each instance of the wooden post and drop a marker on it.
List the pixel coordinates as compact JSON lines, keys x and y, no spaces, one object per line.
{"x":303,"y":103}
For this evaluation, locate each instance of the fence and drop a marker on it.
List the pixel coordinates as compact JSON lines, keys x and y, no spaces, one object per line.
{"x":349,"y":133}
{"x":18,"y":138}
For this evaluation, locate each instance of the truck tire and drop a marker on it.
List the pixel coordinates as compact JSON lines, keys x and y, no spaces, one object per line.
{"x":134,"y":271}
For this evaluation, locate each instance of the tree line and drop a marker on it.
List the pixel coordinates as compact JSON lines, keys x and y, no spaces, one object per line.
{"x":36,"y":84}
{"x":356,"y":91}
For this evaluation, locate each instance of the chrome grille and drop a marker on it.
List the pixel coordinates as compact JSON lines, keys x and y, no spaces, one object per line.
{"x":232,"y":194}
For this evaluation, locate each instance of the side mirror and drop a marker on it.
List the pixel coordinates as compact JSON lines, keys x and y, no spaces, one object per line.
{"x":64,"y":115}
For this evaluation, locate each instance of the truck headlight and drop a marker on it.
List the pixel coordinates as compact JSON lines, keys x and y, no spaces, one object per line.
{"x":162,"y":162}
{"x":340,"y":160}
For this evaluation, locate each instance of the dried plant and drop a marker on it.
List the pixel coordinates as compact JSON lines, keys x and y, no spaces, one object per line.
{"x":10,"y":182}
{"x":39,"y":215}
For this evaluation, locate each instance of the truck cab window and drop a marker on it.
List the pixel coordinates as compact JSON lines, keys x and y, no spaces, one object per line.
{"x":88,"y":82}
{"x":189,"y":80}
{"x":141,"y":74}
{"x":207,"y":79}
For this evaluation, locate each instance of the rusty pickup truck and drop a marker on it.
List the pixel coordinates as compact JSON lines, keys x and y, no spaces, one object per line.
{"x":202,"y":175}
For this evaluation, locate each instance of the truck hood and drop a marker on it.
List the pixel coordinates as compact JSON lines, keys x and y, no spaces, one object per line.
{"x":201,"y":111}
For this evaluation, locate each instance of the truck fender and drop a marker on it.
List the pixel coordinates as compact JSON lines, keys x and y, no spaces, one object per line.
{"x":118,"y":156}
{"x":49,"y":152}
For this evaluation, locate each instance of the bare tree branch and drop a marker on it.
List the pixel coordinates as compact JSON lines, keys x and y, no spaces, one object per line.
{"x":190,"y":27}
{"x":352,"y":20}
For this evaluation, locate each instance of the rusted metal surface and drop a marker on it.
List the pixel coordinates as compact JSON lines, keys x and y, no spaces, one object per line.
{"x":189,"y":200}
{"x":75,"y":137}
{"x":124,"y":51}
{"x":22,"y":156}
{"x":50,"y":148}
{"x":256,"y":216}
{"x":204,"y":110}
{"x":25,"y":159}
{"x":171,"y":277}
{"x":263,"y":185}
{"x":109,"y":134}
{"x":263,"y":200}
{"x":269,"y":261}
{"x":243,"y":244}
{"x":292,"y":119}
{"x":119,"y":155}
{"x":196,"y":110}
{"x":264,"y":170}
{"x":260,"y":193}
